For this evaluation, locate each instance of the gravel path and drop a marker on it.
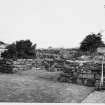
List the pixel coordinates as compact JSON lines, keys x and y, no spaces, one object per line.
{"x":95,"y":97}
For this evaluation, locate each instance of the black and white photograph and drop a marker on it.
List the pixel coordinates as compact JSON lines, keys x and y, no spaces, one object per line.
{"x":52,"y":51}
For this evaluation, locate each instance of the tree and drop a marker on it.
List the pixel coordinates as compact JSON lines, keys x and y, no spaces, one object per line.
{"x":91,"y":42}
{"x":11,"y":52}
{"x":20,"y":49}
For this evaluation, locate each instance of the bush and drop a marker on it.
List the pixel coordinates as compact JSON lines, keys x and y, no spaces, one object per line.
{"x":20,"y":49}
{"x":91,"y":42}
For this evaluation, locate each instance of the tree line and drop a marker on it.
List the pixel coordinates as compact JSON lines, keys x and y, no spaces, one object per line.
{"x":26,"y":49}
{"x":91,"y":42}
{"x":20,"y":49}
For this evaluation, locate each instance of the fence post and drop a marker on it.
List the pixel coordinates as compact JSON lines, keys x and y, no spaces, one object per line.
{"x":102,"y":75}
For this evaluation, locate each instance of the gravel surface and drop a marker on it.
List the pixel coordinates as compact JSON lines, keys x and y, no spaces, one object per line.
{"x":95,"y":97}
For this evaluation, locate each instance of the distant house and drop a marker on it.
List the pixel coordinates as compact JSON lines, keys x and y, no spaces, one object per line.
{"x":101,"y":49}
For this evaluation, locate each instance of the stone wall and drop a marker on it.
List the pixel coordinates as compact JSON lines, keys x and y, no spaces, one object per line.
{"x":6,"y":66}
{"x":23,"y":64}
{"x":11,"y":66}
{"x":86,"y":74}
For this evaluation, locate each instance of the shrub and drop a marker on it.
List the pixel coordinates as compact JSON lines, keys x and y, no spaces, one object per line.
{"x":20,"y":49}
{"x":91,"y":42}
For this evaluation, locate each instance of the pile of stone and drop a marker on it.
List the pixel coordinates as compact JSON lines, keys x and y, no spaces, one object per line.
{"x":71,"y":67}
{"x":74,"y":70}
{"x":87,"y":67}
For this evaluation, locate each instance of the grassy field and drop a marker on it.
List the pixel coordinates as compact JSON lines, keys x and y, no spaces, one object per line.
{"x":39,"y":86}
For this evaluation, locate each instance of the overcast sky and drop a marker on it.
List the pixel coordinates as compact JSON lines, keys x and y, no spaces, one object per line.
{"x":56,"y":23}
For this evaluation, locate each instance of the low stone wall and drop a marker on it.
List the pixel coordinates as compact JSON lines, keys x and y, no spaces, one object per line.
{"x":11,"y":66}
{"x":23,"y":64}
